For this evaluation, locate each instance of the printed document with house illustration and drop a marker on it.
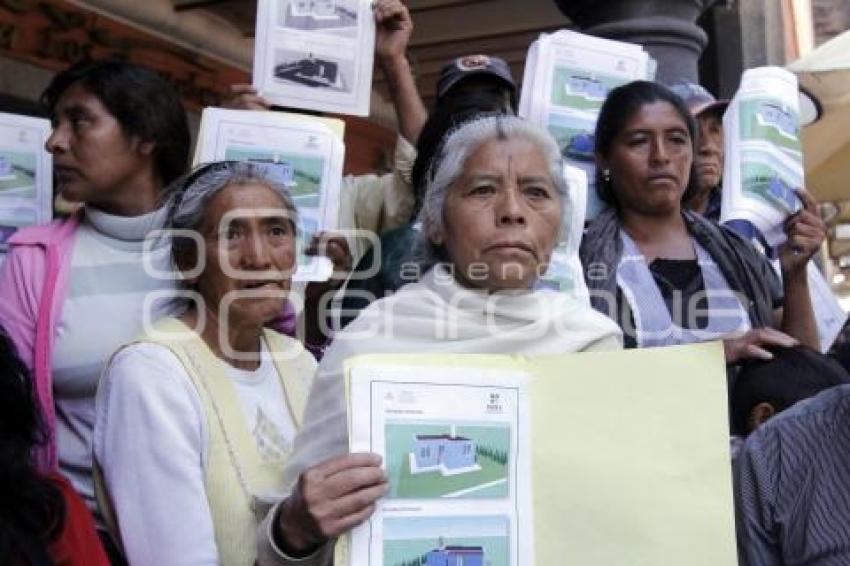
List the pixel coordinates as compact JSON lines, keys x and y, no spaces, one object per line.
{"x":315,"y":54}
{"x":457,"y":450}
{"x":26,"y":174}
{"x":556,"y":459}
{"x":565,"y":272}
{"x":764,"y":156}
{"x":763,"y":167}
{"x":304,"y":153}
{"x":567,"y":77}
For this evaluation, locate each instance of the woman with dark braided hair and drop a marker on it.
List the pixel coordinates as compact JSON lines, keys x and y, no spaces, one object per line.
{"x":42,"y":519}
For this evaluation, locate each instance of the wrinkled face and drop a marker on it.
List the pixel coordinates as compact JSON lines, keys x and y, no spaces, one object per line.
{"x":709,"y":157}
{"x":94,"y":160}
{"x":249,"y":254}
{"x":502,"y":217}
{"x":650,"y":160}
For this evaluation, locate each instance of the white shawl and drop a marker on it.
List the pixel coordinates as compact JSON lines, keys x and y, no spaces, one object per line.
{"x":436,"y":315}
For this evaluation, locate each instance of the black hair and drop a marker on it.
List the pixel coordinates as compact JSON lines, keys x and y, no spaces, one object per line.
{"x":792,"y":375}
{"x":32,"y":512}
{"x":619,"y":107}
{"x":449,"y":114}
{"x":142,"y":101}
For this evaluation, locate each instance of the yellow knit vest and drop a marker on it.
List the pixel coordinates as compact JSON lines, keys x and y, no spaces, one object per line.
{"x":239,"y":484}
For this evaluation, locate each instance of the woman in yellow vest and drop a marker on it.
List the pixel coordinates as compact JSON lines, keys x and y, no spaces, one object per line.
{"x":196,"y":418}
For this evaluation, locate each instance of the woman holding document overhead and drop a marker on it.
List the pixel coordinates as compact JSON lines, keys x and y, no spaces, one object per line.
{"x":668,"y":276}
{"x":493,"y":212}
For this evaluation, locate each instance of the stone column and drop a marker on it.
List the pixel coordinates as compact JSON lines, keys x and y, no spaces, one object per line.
{"x":666,"y":28}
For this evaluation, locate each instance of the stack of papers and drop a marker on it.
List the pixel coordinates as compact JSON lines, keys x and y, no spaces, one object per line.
{"x":315,"y":54}
{"x":26,"y":176}
{"x":565,"y":272}
{"x":764,"y":158}
{"x":567,"y":77}
{"x":308,"y":152}
{"x":763,"y":166}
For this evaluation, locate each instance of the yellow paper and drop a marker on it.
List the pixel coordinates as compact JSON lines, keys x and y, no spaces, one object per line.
{"x":630,"y":453}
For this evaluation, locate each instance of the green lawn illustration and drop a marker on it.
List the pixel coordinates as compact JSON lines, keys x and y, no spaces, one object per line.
{"x":578,"y":90}
{"x":307,"y":171}
{"x":19,"y":181}
{"x":756,"y":180}
{"x":756,"y":127}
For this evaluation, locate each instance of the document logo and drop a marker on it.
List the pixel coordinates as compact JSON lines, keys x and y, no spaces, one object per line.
{"x":494,"y":404}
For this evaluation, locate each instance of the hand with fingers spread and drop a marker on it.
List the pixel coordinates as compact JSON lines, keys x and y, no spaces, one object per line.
{"x":752,"y":345}
{"x":806,"y":232}
{"x":329,"y":500}
{"x":246,"y":97}
{"x":393,"y":31}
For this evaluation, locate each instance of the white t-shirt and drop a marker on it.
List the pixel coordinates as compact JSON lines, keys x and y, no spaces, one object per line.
{"x":151,"y":439}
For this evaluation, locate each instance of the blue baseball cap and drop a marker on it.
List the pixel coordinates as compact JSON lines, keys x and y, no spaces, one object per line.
{"x":698,"y":99}
{"x":474,"y":65}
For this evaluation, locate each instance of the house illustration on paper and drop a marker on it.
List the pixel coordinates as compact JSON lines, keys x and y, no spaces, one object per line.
{"x":455,"y":556}
{"x":587,"y":87}
{"x":282,"y":171}
{"x":314,"y":8}
{"x":779,"y":118}
{"x":445,"y":453}
{"x":783,"y":193}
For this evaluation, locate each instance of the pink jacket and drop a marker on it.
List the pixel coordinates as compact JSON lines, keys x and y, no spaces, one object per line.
{"x":33,"y":286}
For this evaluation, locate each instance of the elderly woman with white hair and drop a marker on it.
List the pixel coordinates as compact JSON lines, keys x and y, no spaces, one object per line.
{"x":493,"y":212}
{"x":196,"y":418}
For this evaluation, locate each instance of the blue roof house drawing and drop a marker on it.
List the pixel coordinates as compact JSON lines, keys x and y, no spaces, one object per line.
{"x":589,"y":88}
{"x":443,"y":452}
{"x":784,"y":194}
{"x":455,"y":556}
{"x":781,"y":119}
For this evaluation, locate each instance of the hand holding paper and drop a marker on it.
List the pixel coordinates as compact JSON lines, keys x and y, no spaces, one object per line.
{"x":330,"y":499}
{"x":246,"y":97}
{"x":393,"y":31}
{"x":806,"y":232}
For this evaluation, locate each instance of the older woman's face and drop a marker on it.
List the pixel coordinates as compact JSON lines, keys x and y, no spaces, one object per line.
{"x":501,"y":217}
{"x":650,"y":160}
{"x":250,"y":253}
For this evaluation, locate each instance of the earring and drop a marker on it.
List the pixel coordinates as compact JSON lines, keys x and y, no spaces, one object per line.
{"x":606,"y":175}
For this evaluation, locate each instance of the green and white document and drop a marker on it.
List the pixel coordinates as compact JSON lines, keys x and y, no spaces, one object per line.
{"x":567,"y":77}
{"x":762,"y":169}
{"x":26,"y":174}
{"x":306,"y":155}
{"x":592,"y":459}
{"x":764,"y":157}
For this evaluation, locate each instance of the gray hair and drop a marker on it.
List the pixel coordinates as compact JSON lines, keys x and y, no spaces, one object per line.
{"x":449,"y":164}
{"x":188,"y":204}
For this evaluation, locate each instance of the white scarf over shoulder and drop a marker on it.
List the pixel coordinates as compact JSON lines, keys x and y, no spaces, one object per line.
{"x":437,"y":315}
